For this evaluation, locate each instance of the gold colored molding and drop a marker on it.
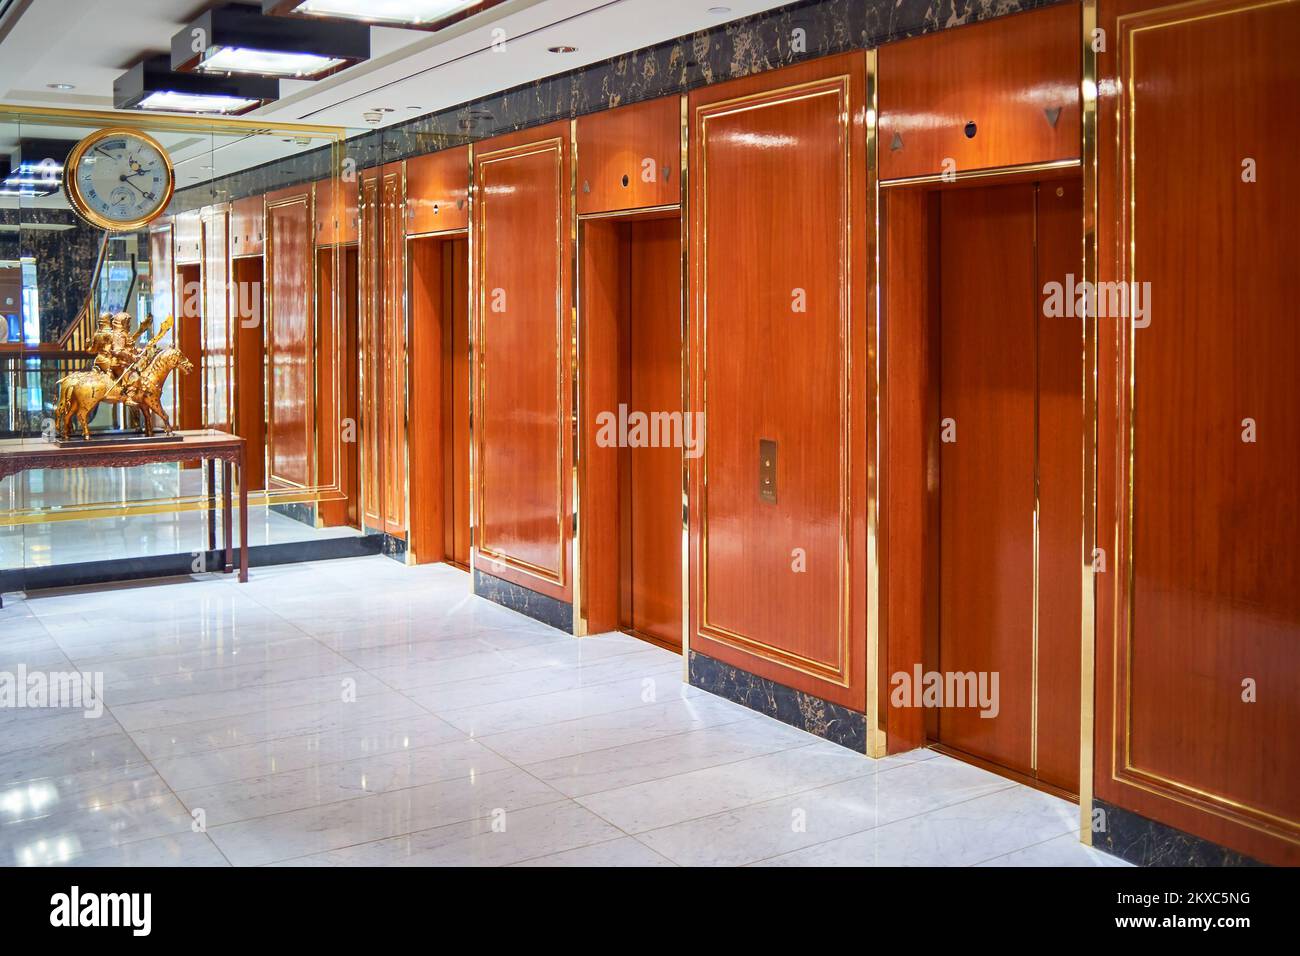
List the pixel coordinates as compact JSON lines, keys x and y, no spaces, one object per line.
{"x":988,"y":172}
{"x":877,"y":739}
{"x":684,"y":130}
{"x":1087,"y":579}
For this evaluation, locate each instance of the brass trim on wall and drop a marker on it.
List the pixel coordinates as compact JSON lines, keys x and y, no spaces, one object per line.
{"x":877,"y":730}
{"x":987,"y":172}
{"x":1088,"y":581}
{"x":578,"y":461}
{"x":685,"y":307}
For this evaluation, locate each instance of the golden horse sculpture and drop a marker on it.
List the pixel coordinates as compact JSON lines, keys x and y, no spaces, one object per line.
{"x":138,"y":385}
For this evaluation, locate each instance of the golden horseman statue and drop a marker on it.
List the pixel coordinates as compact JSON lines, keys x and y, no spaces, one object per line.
{"x":121,"y":374}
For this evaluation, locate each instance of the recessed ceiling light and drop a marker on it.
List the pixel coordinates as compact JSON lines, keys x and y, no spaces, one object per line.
{"x":420,"y":14}
{"x":719,"y":11}
{"x":60,"y":86}
{"x":561,"y":49}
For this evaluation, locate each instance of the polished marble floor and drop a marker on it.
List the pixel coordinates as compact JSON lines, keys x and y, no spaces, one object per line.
{"x":359,"y":712}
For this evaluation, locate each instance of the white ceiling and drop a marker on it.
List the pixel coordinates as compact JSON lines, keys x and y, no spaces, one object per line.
{"x":88,"y":43}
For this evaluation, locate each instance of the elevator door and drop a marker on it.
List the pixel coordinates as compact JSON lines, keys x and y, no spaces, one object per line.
{"x":1010,"y":454}
{"x":655,"y":473}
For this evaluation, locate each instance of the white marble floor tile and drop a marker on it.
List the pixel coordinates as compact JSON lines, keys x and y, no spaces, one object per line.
{"x":623,"y":852}
{"x":697,"y":793}
{"x":500,"y":839}
{"x":38,"y":840}
{"x":379,"y":816}
{"x":1065,"y":850}
{"x":335,"y":782}
{"x":181,"y":849}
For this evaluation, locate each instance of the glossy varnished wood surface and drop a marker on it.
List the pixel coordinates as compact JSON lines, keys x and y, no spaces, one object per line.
{"x":336,"y":381}
{"x":1060,"y":492}
{"x":523,"y":392}
{"x":655,"y":474}
{"x":910,"y":428}
{"x":372,"y":382}
{"x":218,"y":346}
{"x":188,"y":289}
{"x":763,"y":371}
{"x":1001,"y":75}
{"x":1211,"y":595}
{"x":630,"y":157}
{"x":291,"y":338}
{"x":250,"y":391}
{"x":457,"y":404}
{"x":392,"y":274}
{"x":336,"y":211}
{"x":437,"y":191}
{"x":988,"y":306}
{"x":247,"y":226}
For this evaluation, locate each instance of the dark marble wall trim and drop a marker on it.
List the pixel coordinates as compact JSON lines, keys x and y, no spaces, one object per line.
{"x":539,"y":607}
{"x":755,"y":44}
{"x":833,"y":722}
{"x":178,"y":565}
{"x":304,"y":512}
{"x":1144,"y":842}
{"x":393,"y":547}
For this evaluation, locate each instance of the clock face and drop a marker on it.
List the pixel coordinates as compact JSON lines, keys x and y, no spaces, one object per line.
{"x":119,"y":179}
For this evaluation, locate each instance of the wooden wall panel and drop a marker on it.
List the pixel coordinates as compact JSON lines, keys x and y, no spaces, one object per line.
{"x":336,"y":379}
{"x":218,"y":344}
{"x":247,"y":226}
{"x":630,"y":157}
{"x":250,"y":370}
{"x":523,"y":395}
{"x":291,"y":339}
{"x":655,"y":478}
{"x":429,"y":442}
{"x":371,"y":329}
{"x":336,"y":211}
{"x":1003,"y":75}
{"x":1203,"y":588}
{"x":1060,"y":492}
{"x":456,"y":400}
{"x":910,"y":442}
{"x":988,"y":304}
{"x":437,"y":191}
{"x":188,"y":237}
{"x":762,"y":369}
{"x":188,"y":334}
{"x":162,"y":273}
{"x":393,"y":276}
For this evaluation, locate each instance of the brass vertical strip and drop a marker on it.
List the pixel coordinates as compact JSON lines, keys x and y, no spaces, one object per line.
{"x":701,"y":436}
{"x":471,"y":275}
{"x":1088,"y":584}
{"x":411,"y":557}
{"x":1038,"y":485}
{"x":876,"y":732}
{"x":578,"y":459}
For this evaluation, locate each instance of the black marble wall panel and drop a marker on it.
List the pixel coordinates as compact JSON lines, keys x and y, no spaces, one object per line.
{"x":1144,"y":842}
{"x":765,"y":41}
{"x":832,"y":722}
{"x":539,"y":607}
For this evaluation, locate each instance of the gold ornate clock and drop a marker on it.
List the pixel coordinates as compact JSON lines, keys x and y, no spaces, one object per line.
{"x":119,"y":179}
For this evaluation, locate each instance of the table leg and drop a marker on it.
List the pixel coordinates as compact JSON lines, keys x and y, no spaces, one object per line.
{"x":212,"y":504}
{"x":243,"y":521}
{"x":227,"y":525}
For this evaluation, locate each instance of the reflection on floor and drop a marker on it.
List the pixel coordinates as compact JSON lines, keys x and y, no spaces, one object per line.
{"x":134,"y":536}
{"x":362,"y":712}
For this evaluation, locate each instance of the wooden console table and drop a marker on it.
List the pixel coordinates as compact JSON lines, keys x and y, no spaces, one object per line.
{"x":26,"y":454}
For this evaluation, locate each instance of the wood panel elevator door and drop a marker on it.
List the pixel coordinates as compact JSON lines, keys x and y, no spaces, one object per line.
{"x":1010,"y":460}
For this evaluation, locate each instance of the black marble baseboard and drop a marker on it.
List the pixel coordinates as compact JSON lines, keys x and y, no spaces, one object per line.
{"x":391,"y":547}
{"x":176,"y":565}
{"x":1143,"y":842}
{"x":303,"y":512}
{"x":539,"y":607}
{"x":832,"y":722}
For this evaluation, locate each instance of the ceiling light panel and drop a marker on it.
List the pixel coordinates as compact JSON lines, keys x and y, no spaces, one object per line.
{"x":418,"y":14}
{"x":238,"y":40}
